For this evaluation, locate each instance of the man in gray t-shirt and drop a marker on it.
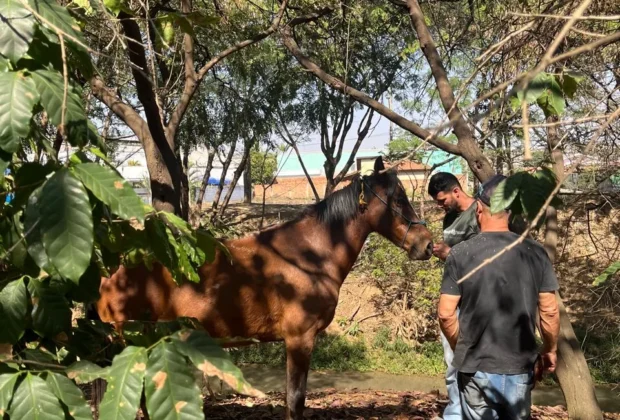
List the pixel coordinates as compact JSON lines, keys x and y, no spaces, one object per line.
{"x":493,"y":336}
{"x":459,"y":224}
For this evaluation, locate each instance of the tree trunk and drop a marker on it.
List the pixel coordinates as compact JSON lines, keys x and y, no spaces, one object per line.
{"x":242,"y":165}
{"x":184,"y":193}
{"x":572,"y":368}
{"x":330,"y":186}
{"x":205,"y":178}
{"x":247,"y":183}
{"x":220,"y":187}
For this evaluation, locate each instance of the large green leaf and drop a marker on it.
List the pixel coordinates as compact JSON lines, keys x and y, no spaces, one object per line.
{"x":28,"y":178}
{"x":18,"y":95}
{"x":607,"y":274}
{"x":66,"y":224}
{"x":569,"y":81}
{"x":158,"y":235}
{"x":7,"y":386}
{"x":59,"y":17}
{"x":87,"y":289}
{"x":113,"y":190}
{"x":535,"y":88}
{"x":16,"y":29}
{"x":180,"y":224}
{"x":74,"y":404}
{"x":207,"y":243}
{"x":84,"y":372}
{"x":34,"y":400}
{"x":51,"y":313}
{"x":506,"y":192}
{"x":171,"y":390}
{"x":51,"y":86}
{"x":33,"y":238}
{"x":212,"y":360}
{"x":122,"y":397}
{"x":552,"y":100}
{"x":13,"y":311}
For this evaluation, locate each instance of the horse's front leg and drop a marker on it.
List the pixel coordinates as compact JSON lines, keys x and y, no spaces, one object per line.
{"x":298,"y":352}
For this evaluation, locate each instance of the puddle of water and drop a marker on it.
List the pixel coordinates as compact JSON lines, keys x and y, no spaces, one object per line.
{"x":269,"y":379}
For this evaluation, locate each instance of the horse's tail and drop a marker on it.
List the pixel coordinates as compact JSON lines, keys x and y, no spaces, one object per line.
{"x":91,"y":312}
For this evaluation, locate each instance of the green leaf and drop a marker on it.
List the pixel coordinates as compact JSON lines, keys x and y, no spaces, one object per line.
{"x":16,"y":29}
{"x":34,"y":400}
{"x":115,"y":6}
{"x":158,"y":237}
{"x":569,"y":81}
{"x":34,"y":239}
{"x":122,"y":397}
{"x":552,"y":100}
{"x":113,"y":190}
{"x":28,"y":178}
{"x":51,"y":86}
{"x":4,"y":65}
{"x":607,"y":274}
{"x":535,"y":88}
{"x":18,"y":95}
{"x":51,"y":313}
{"x":66,"y":224}
{"x":207,"y":243}
{"x":506,"y":192}
{"x":59,"y":17}
{"x":178,"y":223}
{"x":84,"y":372}
{"x":212,"y":360}
{"x":87,"y":289}
{"x":7,"y":387}
{"x":74,"y":404}
{"x":171,"y":390}
{"x":13,"y":311}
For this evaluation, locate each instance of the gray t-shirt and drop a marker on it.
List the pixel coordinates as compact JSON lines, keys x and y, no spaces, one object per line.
{"x":498,"y":303}
{"x":459,"y":227}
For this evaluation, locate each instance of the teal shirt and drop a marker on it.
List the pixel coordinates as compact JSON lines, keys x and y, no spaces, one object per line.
{"x":459,"y":227}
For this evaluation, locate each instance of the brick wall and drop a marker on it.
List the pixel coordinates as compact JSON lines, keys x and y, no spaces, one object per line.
{"x":298,"y":190}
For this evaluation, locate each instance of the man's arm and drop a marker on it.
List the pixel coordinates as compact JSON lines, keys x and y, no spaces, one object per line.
{"x":448,"y":321}
{"x":549,"y":328}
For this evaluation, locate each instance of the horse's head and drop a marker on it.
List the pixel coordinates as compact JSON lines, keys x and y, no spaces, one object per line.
{"x":389,"y":213}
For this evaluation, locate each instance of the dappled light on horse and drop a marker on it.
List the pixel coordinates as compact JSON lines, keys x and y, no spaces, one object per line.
{"x":283,"y":282}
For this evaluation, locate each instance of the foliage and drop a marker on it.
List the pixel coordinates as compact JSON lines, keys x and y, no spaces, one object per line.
{"x":264,"y":166}
{"x":549,"y":92}
{"x":402,"y":145}
{"x":71,"y":222}
{"x":607,"y":274}
{"x":525,"y":193}
{"x":409,"y":289}
{"x":363,"y":353}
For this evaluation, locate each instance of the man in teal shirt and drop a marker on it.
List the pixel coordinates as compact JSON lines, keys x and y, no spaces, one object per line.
{"x":459,"y":224}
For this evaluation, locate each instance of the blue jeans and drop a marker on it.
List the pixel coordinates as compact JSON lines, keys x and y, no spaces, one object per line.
{"x":495,"y":396}
{"x":453,"y":409}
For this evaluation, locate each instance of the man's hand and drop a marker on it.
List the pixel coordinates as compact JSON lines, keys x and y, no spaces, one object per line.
{"x":549,"y":361}
{"x":441,"y":251}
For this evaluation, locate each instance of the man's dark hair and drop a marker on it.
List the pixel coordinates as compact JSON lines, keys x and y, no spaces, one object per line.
{"x":442,"y":182}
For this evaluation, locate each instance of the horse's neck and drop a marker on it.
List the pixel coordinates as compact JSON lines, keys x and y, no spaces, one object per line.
{"x":341,"y":246}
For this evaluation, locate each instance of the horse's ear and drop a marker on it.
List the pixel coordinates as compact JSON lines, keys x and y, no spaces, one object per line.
{"x":379,"y":165}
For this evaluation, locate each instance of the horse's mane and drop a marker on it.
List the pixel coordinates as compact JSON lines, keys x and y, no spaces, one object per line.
{"x":343,"y":205}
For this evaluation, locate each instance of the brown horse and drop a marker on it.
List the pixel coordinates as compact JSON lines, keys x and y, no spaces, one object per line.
{"x":284,"y":281}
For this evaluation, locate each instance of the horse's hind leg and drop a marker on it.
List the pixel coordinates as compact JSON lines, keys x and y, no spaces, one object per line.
{"x":298,"y":352}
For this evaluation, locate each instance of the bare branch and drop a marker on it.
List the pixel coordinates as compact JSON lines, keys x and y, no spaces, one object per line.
{"x":363,"y":98}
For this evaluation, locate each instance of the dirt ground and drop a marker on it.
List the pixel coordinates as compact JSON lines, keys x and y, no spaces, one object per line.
{"x":354,"y":405}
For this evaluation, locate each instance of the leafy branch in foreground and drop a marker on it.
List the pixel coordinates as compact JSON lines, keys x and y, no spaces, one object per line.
{"x":69,"y":223}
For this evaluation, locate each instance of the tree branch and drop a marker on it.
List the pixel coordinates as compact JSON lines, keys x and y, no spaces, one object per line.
{"x":144,"y":88}
{"x":193,"y":78}
{"x":361,"y":97}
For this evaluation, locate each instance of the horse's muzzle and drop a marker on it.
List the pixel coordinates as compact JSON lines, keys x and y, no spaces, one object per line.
{"x":421,"y":252}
